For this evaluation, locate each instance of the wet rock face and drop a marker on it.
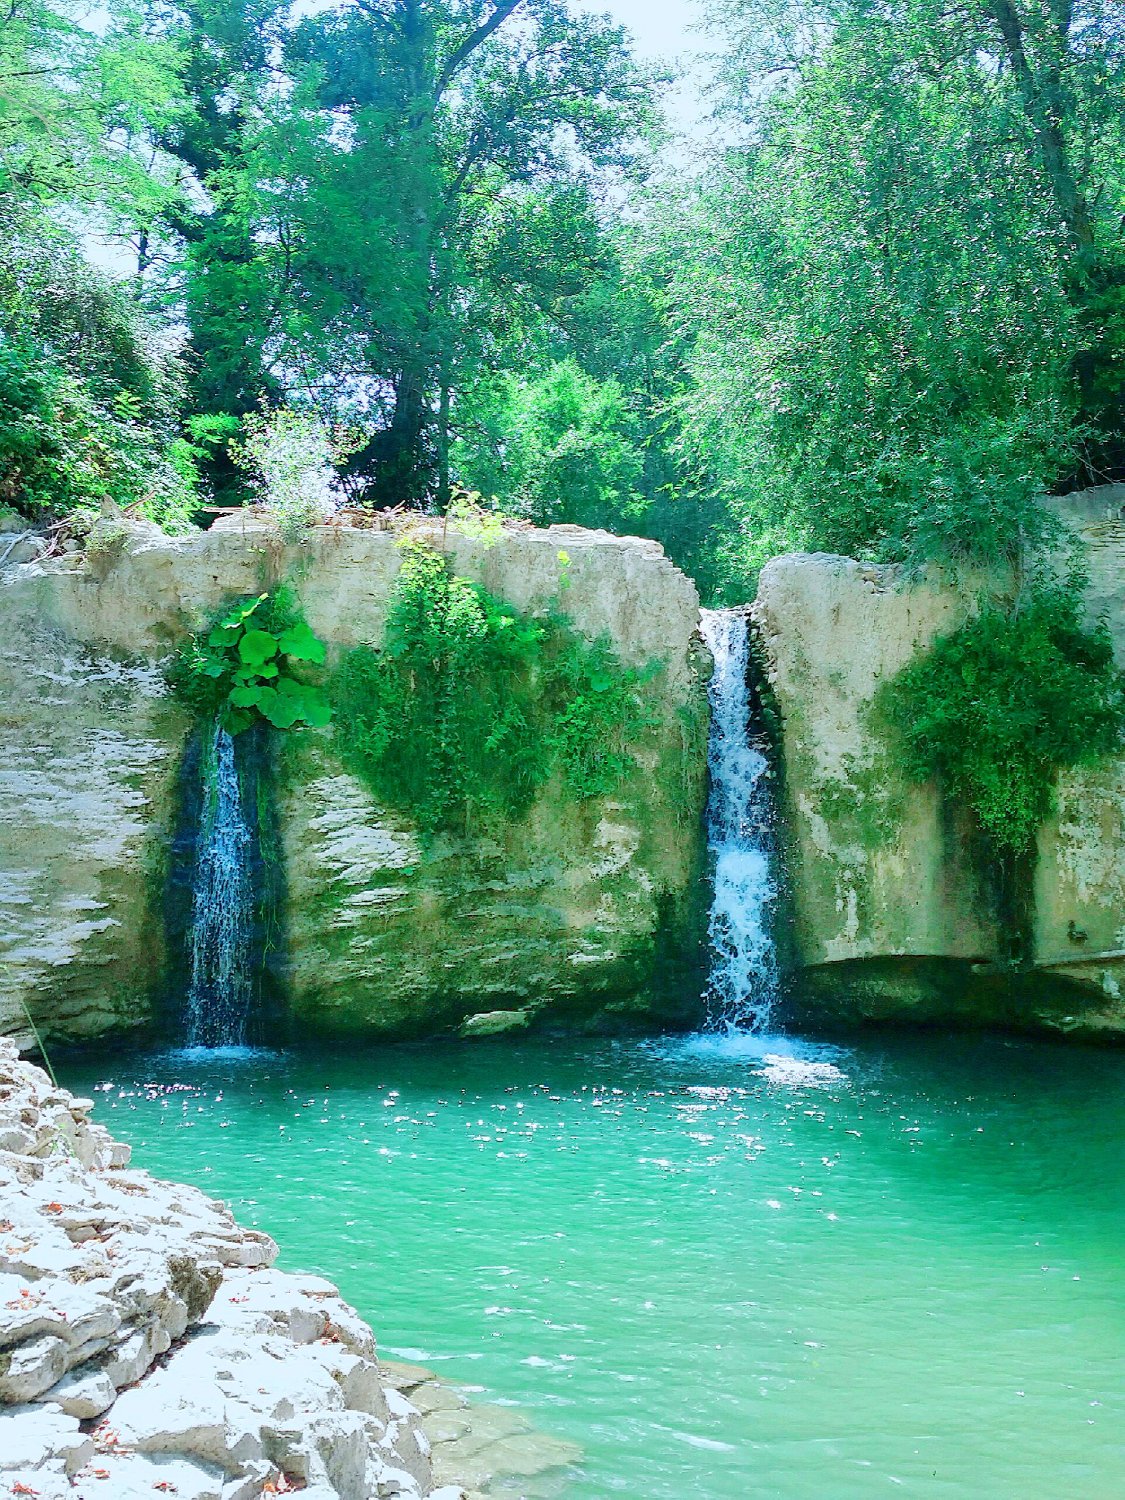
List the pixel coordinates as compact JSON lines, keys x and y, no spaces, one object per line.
{"x":892,"y":920}
{"x":147,"y":1345}
{"x":383,"y":933}
{"x":89,"y":744}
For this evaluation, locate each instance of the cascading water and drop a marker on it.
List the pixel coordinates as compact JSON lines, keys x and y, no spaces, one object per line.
{"x":222,"y":907}
{"x":744,"y":971}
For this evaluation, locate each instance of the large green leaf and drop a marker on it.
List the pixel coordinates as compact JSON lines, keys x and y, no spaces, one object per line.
{"x":300,"y":643}
{"x":257,"y":647}
{"x":240,"y":614}
{"x":280,"y":710}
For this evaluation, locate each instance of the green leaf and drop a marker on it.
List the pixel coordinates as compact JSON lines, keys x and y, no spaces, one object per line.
{"x":300,"y":643}
{"x":281,"y":712}
{"x":256,"y":673}
{"x":318,"y":711}
{"x":256,"y":647}
{"x":247,"y":696}
{"x":240,"y":613}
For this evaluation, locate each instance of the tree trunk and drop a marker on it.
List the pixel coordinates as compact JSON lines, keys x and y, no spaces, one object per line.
{"x":443,"y":444}
{"x":1046,"y":107}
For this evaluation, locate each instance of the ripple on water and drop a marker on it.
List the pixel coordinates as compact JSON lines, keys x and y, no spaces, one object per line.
{"x":723,"y":1266}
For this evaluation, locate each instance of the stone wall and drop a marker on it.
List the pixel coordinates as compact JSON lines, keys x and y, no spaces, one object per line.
{"x":891,"y":918}
{"x":594,"y":908}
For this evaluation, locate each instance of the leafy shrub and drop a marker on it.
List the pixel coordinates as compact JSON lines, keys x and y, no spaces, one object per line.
{"x":997,"y":709}
{"x":244,"y":668}
{"x":560,"y":447}
{"x":89,"y":396}
{"x":293,"y":455}
{"x":470,"y":707}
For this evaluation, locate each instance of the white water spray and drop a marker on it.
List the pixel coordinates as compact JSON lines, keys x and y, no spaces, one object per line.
{"x":222,"y":916}
{"x":744,"y":973}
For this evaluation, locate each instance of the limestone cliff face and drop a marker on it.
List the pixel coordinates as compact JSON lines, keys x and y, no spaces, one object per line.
{"x":593,"y":908}
{"x":891,"y":918}
{"x":89,"y":744}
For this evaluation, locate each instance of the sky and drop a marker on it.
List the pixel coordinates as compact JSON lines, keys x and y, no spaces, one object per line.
{"x":666,"y":31}
{"x":661,"y":27}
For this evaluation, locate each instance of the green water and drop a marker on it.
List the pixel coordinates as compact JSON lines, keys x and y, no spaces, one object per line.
{"x":754,"y":1270}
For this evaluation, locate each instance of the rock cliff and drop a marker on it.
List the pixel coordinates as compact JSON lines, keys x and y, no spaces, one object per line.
{"x":891,"y":919}
{"x":595,"y":908}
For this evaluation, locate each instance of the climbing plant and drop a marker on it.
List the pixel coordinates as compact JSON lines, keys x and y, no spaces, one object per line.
{"x":471,"y":706}
{"x":247,"y":667}
{"x":995,"y":710}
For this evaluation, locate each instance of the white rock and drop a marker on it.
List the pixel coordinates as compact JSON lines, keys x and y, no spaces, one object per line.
{"x":136,"y":1476}
{"x":84,"y":1393}
{"x":358,"y":1378}
{"x":132,"y":1358}
{"x":44,"y":1484}
{"x":30,"y":1369}
{"x":248,"y":1486}
{"x":40,"y":1437}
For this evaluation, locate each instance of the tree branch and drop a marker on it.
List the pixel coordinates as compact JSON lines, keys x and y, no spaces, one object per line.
{"x":469,"y":44}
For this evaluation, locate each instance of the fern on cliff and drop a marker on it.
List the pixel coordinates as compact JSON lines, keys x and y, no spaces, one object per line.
{"x":471,"y":706}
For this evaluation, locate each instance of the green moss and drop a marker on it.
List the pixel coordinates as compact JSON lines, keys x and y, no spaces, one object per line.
{"x":471,"y":707}
{"x":865,"y":801}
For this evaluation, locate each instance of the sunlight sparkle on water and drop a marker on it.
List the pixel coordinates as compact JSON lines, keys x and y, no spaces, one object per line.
{"x":726,"y":1266}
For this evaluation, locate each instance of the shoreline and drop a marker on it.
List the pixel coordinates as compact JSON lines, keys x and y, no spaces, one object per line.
{"x":147,"y":1344}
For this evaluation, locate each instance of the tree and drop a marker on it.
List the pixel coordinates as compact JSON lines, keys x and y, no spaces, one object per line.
{"x":560,"y":448}
{"x":452,"y":150}
{"x":893,"y":289}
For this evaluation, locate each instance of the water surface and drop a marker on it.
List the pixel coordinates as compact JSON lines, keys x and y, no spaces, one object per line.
{"x":726,"y":1269}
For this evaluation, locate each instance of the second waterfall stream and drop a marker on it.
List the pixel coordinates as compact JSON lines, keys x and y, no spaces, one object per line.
{"x":744,"y":978}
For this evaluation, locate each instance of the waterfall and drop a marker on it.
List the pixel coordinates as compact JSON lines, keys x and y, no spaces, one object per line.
{"x":744,"y":972}
{"x":222,"y":906}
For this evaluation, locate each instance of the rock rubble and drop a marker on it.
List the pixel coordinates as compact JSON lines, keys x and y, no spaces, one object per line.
{"x":148,"y":1348}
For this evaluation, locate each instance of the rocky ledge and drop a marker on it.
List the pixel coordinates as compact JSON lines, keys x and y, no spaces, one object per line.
{"x":147,"y":1347}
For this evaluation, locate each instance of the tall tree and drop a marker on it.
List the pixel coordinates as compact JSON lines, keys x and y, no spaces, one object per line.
{"x":903,"y":268}
{"x":452,"y":148}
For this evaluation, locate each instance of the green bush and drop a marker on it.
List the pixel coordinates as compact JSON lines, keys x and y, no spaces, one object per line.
{"x":245,"y":668}
{"x":89,"y":396}
{"x":63,"y":450}
{"x":470,"y":707}
{"x":997,"y":709}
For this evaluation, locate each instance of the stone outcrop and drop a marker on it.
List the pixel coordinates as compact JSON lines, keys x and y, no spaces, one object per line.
{"x":591,"y":906}
{"x":146,"y":1345}
{"x":890,"y":917}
